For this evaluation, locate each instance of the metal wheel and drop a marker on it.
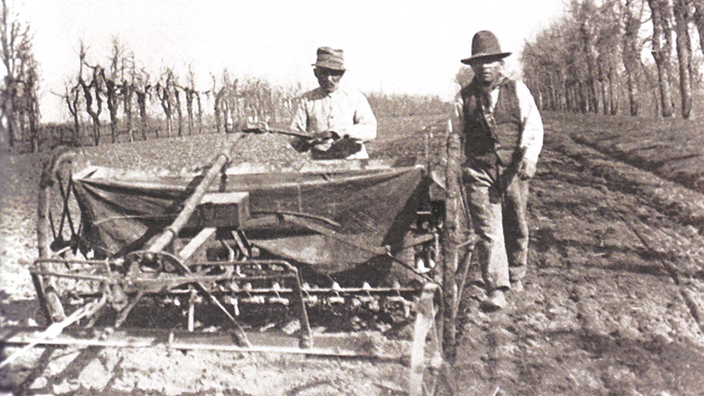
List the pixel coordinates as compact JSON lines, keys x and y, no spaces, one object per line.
{"x":59,"y":244}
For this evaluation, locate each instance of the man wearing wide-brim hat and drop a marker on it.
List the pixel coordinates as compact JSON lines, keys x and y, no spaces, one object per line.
{"x":502,"y":133}
{"x":338,"y":118}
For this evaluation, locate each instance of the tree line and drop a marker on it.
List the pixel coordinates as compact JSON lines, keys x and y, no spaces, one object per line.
{"x":19,"y":104}
{"x":116,"y":98}
{"x":594,"y":60}
{"x":140,"y":106}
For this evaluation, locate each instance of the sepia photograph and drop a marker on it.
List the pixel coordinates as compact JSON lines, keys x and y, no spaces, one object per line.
{"x":354,"y":198}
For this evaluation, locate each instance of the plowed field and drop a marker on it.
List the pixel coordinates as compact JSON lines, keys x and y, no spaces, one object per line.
{"x":613,"y":301}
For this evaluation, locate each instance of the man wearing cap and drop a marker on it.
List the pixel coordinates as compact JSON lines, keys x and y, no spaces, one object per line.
{"x":338,"y":119}
{"x":502,"y":133}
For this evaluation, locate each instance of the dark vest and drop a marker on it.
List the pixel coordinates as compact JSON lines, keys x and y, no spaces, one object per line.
{"x":479,"y":145}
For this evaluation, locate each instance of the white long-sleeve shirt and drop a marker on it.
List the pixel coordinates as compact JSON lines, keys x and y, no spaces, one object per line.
{"x":345,"y":112}
{"x":531,"y":122}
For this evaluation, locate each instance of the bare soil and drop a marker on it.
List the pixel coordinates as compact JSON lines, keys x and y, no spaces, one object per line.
{"x":613,"y":302}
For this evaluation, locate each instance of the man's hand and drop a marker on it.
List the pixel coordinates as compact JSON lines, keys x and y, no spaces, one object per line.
{"x":526,"y":169}
{"x":322,"y":136}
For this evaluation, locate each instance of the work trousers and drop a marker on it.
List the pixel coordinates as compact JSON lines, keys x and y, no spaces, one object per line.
{"x":501,"y":225}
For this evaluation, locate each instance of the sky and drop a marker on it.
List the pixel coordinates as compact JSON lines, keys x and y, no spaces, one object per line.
{"x":391,"y":46}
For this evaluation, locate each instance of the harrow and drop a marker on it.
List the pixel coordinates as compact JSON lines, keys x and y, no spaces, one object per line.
{"x":326,"y":255}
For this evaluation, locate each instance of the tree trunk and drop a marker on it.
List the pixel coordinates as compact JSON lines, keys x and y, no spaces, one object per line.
{"x":684,"y":54}
{"x":190,"y":93}
{"x":127,"y":94}
{"x":630,"y":56}
{"x":94,"y":114}
{"x":669,"y":46}
{"x":112,"y":102}
{"x":179,"y":111}
{"x":652,"y":82}
{"x":606,"y":104}
{"x":33,"y":114}
{"x":72,"y":104}
{"x":613,"y":96}
{"x":32,"y":107}
{"x":219,"y":99}
{"x":551,"y":91}
{"x":142,"y":104}
{"x":10,"y":113}
{"x":200,"y":113}
{"x":163,"y":94}
{"x":584,"y":98}
{"x":589,"y":37}
{"x":661,"y":55}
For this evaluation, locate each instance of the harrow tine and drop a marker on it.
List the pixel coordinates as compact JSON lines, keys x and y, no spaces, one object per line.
{"x":241,"y":335}
{"x":238,"y":329}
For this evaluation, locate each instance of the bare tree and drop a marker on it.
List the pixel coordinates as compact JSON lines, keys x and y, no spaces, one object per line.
{"x":18,"y":93}
{"x":113,"y":103}
{"x":72,"y":98}
{"x":112,"y":84}
{"x":590,"y":60}
{"x":128,"y":91}
{"x":226,"y":99}
{"x":661,"y":52}
{"x":220,"y":102}
{"x":588,"y":36}
{"x":30,"y":102}
{"x":165,"y":95}
{"x":177,"y":104}
{"x":216,"y":105}
{"x":190,"y":92}
{"x":199,"y":104}
{"x":631,"y":16}
{"x":141,"y":87}
{"x":96,"y":94}
{"x":609,"y":32}
{"x":684,"y":53}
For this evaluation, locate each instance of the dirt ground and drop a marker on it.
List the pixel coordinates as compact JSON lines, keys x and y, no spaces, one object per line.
{"x":613,"y":302}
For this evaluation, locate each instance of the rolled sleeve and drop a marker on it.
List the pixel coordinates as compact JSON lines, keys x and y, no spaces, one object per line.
{"x":457,"y":116}
{"x":532,"y":123}
{"x":300,"y":119}
{"x":364,"y":126}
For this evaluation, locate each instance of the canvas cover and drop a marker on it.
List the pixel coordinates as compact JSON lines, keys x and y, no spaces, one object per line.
{"x":338,"y":217}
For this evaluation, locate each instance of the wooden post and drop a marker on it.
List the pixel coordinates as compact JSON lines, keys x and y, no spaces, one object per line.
{"x":452,"y":235}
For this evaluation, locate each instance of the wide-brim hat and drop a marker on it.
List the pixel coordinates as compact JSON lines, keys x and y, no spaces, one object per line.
{"x":485,"y":45}
{"x":330,"y":58}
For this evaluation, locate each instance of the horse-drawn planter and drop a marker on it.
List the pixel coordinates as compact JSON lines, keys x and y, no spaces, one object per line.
{"x":324,"y":255}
